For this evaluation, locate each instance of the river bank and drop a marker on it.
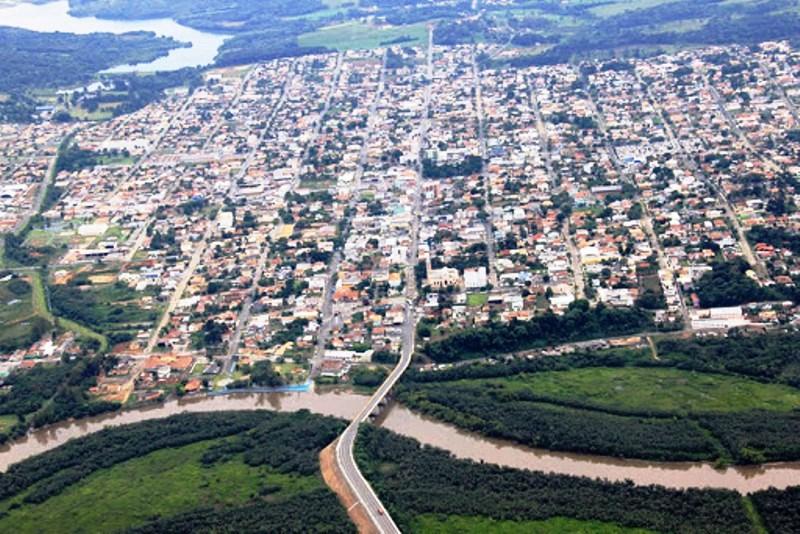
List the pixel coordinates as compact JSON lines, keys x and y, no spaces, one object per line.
{"x":464,"y":445}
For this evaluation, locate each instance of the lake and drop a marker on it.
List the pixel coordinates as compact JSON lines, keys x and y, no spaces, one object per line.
{"x":54,"y":16}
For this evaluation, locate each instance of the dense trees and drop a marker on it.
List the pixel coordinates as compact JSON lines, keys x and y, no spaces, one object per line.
{"x":263,"y":374}
{"x":287,"y":443}
{"x":523,"y":418}
{"x":107,"y":309}
{"x":50,"y":393}
{"x":413,"y":480}
{"x":579,"y":323}
{"x":538,"y":420}
{"x":34,"y":59}
{"x":315,"y":511}
{"x":779,"y":509}
{"x":770,"y":358}
{"x":470,"y":165}
{"x":775,"y":236}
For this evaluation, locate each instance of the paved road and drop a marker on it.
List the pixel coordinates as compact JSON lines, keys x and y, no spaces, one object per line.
{"x":247,"y":306}
{"x":211,"y":228}
{"x":689,"y":163}
{"x":43,"y":187}
{"x":781,"y":91}
{"x":487,"y":223}
{"x":333,"y":266}
{"x":345,"y":460}
{"x":578,"y":278}
{"x":139,"y":236}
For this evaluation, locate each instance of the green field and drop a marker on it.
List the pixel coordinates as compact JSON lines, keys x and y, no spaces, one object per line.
{"x":357,"y":35}
{"x":163,"y":483}
{"x":476,"y":300}
{"x":190,"y":473}
{"x":23,"y":316}
{"x":663,"y":390}
{"x":434,"y":524}
{"x":6,"y":422}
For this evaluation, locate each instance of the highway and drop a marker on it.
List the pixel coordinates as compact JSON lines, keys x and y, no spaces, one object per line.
{"x":345,"y":460}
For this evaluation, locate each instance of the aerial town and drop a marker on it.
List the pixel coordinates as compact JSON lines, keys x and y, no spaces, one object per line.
{"x":318,"y":212}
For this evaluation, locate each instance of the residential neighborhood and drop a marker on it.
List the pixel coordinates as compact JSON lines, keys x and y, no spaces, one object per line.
{"x":268,"y":219}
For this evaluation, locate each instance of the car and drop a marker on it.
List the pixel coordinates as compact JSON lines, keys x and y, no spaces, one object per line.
{"x":380,"y":511}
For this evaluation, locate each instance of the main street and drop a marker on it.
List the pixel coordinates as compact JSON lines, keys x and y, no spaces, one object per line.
{"x":487,"y":197}
{"x":244,"y":314}
{"x":211,"y":227}
{"x":336,"y":259}
{"x":345,"y":459}
{"x":578,"y":279}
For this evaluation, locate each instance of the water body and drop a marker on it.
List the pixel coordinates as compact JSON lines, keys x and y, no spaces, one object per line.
{"x":428,"y":431}
{"x":54,"y":16}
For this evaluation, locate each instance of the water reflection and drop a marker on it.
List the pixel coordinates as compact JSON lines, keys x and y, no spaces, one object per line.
{"x":54,"y":16}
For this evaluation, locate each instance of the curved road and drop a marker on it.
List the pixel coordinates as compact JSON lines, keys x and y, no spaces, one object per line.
{"x":345,"y":460}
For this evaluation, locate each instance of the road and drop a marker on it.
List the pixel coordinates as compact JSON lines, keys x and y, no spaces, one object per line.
{"x":247,"y":307}
{"x":139,"y":236}
{"x":336,"y":259}
{"x":731,"y":120}
{"x":690,"y":164}
{"x":781,"y":91}
{"x":211,"y":228}
{"x":646,"y":219}
{"x":579,"y":281}
{"x":345,"y":444}
{"x":44,"y":186}
{"x":487,"y":223}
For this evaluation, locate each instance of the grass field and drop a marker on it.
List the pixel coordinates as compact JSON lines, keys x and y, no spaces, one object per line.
{"x":14,"y":307}
{"x":433,"y":524}
{"x":476,"y":300}
{"x":357,"y":35}
{"x":22,"y":316}
{"x":668,"y":390}
{"x":6,"y":422}
{"x":163,"y":483}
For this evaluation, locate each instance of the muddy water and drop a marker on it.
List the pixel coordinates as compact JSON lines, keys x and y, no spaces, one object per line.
{"x":343,"y":405}
{"x":462,"y":444}
{"x":670,"y":474}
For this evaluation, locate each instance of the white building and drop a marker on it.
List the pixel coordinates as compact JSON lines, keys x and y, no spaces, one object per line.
{"x":475,"y":278}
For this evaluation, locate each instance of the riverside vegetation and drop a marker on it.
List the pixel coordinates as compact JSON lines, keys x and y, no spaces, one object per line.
{"x":226,"y":471}
{"x":725,"y":400}
{"x":427,"y":490}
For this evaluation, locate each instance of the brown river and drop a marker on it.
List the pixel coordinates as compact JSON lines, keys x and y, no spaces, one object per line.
{"x":462,"y":444}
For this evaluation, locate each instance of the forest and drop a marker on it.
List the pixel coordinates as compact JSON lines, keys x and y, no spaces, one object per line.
{"x":50,"y":393}
{"x":579,"y":323}
{"x":489,"y":398}
{"x":35,"y":60}
{"x":727,"y":284}
{"x":412,"y":480}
